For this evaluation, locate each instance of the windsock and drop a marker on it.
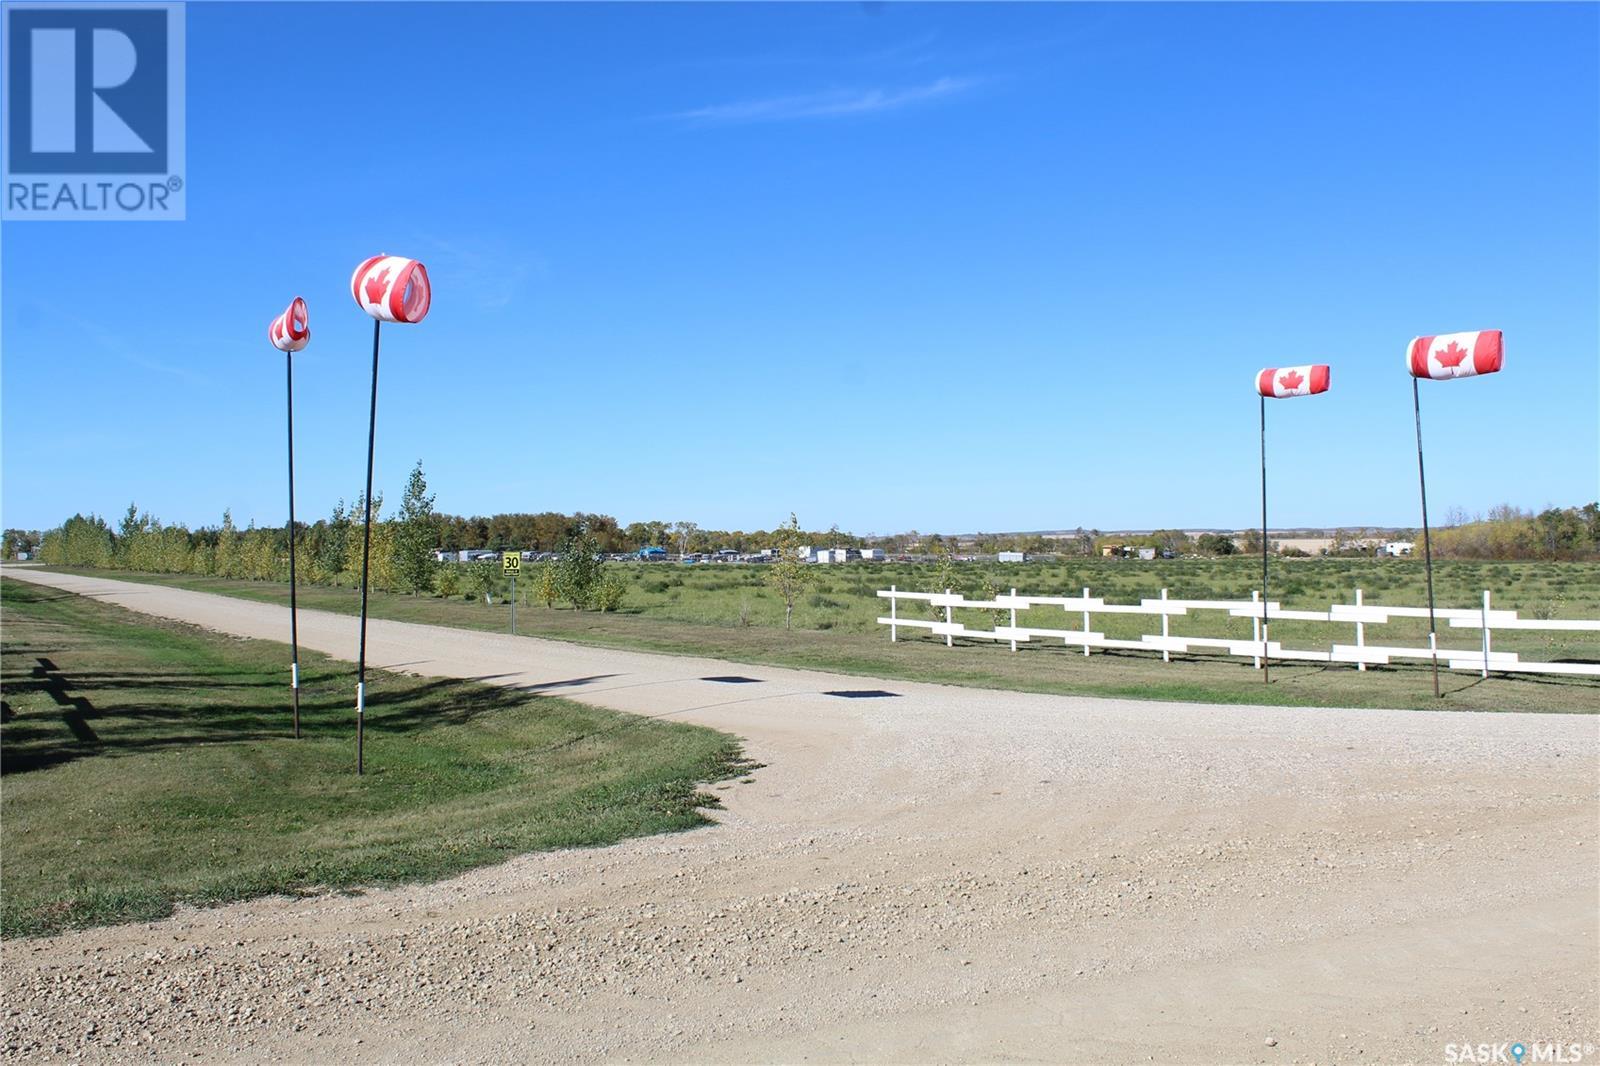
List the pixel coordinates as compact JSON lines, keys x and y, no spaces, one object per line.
{"x":1454,"y":355}
{"x":291,"y":330}
{"x":391,"y":288}
{"x":1282,"y":382}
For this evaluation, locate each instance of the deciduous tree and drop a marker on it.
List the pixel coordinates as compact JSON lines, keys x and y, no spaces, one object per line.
{"x":788,"y":574}
{"x":415,"y":535}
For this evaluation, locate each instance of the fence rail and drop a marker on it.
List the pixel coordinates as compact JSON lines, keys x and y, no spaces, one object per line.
{"x":1485,"y":619}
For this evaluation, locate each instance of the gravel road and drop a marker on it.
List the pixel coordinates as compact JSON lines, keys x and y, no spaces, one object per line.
{"x":939,"y":874}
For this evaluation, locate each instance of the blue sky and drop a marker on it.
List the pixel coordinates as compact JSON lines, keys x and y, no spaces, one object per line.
{"x":940,"y":267}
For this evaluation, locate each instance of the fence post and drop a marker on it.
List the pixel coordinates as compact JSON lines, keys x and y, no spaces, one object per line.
{"x":1485,"y":632}
{"x":1166,"y":656}
{"x":949,"y":620}
{"x":1086,"y":621}
{"x":1255,"y":626}
{"x":1013,"y":620}
{"x":892,"y":615}
{"x":1361,"y":636}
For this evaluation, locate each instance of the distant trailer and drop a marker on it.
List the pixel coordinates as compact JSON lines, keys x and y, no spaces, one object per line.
{"x":1013,"y":557}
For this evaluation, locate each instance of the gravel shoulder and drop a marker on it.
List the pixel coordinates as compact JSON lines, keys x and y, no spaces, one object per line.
{"x":943,"y":873}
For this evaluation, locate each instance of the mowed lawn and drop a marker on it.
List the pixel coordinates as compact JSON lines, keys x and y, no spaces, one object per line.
{"x":726,"y":612}
{"x":148,"y":763}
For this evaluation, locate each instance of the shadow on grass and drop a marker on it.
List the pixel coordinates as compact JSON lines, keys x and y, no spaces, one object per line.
{"x":131,"y":716}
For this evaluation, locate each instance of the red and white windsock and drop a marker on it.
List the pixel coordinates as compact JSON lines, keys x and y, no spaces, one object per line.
{"x":391,"y":288}
{"x":291,"y":330}
{"x":1454,"y":355}
{"x":1281,"y":382}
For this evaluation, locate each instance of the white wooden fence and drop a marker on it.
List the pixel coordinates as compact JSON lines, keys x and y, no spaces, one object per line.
{"x":1358,"y":615}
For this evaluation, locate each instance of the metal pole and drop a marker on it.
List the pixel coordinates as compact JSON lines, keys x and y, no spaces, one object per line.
{"x":294,"y":630}
{"x":1266,"y":662}
{"x":366,"y":552}
{"x":513,"y":604}
{"x":1427,"y":539}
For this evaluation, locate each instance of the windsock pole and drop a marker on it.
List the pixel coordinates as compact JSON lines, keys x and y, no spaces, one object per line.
{"x":294,"y":631}
{"x":1266,"y":663}
{"x":366,"y":552}
{"x":1427,"y":539}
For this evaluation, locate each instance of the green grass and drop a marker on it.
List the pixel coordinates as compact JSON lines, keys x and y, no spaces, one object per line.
{"x":695,"y":611}
{"x":148,"y":763}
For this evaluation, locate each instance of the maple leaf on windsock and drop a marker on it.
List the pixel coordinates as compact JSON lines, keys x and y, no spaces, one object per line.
{"x":1291,"y":380}
{"x":374,"y":286}
{"x":1451,"y":356}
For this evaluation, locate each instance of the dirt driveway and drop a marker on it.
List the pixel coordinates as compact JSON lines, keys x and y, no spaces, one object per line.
{"x":937,"y":874}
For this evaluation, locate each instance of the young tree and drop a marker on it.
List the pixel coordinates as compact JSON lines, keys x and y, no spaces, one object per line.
{"x":447,"y":581}
{"x":944,"y":579}
{"x":415,"y":535}
{"x":578,"y":571}
{"x":549,"y":589}
{"x":480,"y":580}
{"x":788,"y":573}
{"x":333,"y":542}
{"x":611,"y":591}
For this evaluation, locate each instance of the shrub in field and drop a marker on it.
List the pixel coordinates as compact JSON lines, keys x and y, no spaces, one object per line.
{"x":609,"y":594}
{"x":548,"y":591}
{"x":480,"y":581}
{"x":447,"y":580}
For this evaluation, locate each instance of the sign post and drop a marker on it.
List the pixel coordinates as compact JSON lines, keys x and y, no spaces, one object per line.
{"x":511,"y":566}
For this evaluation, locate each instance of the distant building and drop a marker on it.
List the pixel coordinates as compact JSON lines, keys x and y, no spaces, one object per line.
{"x":1147,"y":553}
{"x":1399,"y":547}
{"x":872,"y":555}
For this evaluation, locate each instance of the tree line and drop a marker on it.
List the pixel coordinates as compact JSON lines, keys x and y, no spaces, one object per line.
{"x":328,"y":551}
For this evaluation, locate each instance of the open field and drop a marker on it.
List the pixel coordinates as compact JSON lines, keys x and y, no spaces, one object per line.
{"x":148,"y":763}
{"x":696,"y":611}
{"x":948,"y":874}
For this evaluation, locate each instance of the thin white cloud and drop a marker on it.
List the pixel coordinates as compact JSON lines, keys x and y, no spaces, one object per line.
{"x":832,"y":104}
{"x":492,"y":273}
